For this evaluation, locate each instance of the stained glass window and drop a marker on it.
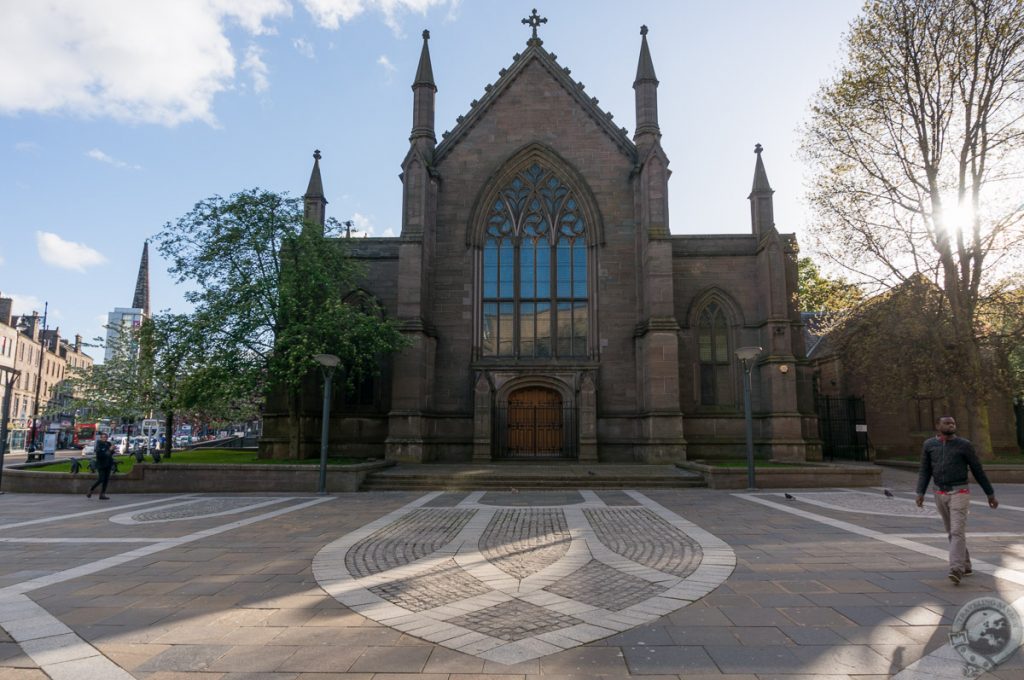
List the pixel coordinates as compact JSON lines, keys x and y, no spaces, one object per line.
{"x":714,"y":357}
{"x":535,"y":291}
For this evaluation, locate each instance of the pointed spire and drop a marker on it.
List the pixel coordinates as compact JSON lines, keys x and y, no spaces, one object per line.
{"x":646,"y":88}
{"x":762,"y":209}
{"x":315,"y":203}
{"x":760,"y":176}
{"x":424,"y":72}
{"x":423,"y":89}
{"x":645,"y":65}
{"x":141,"y":298}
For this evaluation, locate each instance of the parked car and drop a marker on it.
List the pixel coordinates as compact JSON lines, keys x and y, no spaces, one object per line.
{"x":119,"y":444}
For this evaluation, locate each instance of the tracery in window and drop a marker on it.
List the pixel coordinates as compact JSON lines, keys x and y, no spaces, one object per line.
{"x":535,"y":293}
{"x":714,"y":357}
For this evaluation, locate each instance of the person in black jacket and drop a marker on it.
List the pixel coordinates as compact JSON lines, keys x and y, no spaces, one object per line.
{"x":946,"y":458}
{"x":104,"y":464}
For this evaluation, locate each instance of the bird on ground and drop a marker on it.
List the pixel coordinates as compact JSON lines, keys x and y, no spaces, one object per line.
{"x":889,"y":494}
{"x":789,"y":497}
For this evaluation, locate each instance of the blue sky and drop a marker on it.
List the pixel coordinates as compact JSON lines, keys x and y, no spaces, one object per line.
{"x":117,"y":116}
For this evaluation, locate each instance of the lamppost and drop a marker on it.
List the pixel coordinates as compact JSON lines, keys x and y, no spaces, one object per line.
{"x":328,"y":362}
{"x":746,"y":355}
{"x":8,"y":382}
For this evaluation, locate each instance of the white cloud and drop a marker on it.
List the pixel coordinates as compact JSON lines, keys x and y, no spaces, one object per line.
{"x":386,"y":63}
{"x":363,"y":224}
{"x":256,"y":68}
{"x":66,"y":254}
{"x":24,"y":305}
{"x":26,"y":147}
{"x":151,"y":62}
{"x":332,"y":13}
{"x":100,"y":156}
{"x":304,"y":47}
{"x":1,"y":260}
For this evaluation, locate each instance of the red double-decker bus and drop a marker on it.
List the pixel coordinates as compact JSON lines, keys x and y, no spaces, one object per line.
{"x":85,"y":433}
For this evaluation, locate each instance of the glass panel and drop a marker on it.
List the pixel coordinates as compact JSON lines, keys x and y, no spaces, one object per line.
{"x":543,"y":270}
{"x":527,"y":329}
{"x":489,"y":337}
{"x":505,"y":271}
{"x":579,"y":270}
{"x":526,"y":269}
{"x":707,"y":384}
{"x":704,"y":345}
{"x":491,"y":269}
{"x":723,"y":395}
{"x":544,"y":329}
{"x":579,"y":329}
{"x":564,"y":329}
{"x":721,"y":340}
{"x":563,"y":273}
{"x":506,"y":323}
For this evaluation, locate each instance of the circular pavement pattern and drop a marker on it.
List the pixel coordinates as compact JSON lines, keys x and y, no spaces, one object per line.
{"x":197,"y":508}
{"x":510,"y":583}
{"x":866,"y":503}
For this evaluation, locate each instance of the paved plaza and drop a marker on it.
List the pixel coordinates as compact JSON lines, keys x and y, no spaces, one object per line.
{"x":504,"y":585}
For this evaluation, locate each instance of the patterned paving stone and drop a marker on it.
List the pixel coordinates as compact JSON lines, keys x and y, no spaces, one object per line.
{"x":441,"y":585}
{"x":514,"y":620}
{"x":522,"y":542}
{"x":528,"y":498}
{"x":416,"y":535}
{"x":866,"y":503}
{"x":197,"y":508}
{"x":641,"y":536}
{"x":602,"y":586}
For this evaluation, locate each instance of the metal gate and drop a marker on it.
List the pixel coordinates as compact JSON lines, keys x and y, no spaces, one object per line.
{"x":534,"y":424}
{"x":838,"y":421}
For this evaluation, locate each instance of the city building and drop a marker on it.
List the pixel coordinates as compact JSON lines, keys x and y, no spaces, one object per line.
{"x":549,"y":309}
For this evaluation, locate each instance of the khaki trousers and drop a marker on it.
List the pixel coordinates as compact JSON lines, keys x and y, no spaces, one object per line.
{"x":953,"y":507}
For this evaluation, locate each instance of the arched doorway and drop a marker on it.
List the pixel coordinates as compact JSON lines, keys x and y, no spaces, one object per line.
{"x":536,"y":423}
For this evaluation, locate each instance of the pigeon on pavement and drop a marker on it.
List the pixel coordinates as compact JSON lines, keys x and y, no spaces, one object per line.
{"x":790,"y":497}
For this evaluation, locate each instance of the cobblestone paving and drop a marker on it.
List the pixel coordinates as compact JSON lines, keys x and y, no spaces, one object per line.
{"x":641,"y":536}
{"x":514,"y":620}
{"x":416,"y":535}
{"x":511,"y":584}
{"x":528,"y":498}
{"x":436,"y":587}
{"x":522,"y":542}
{"x":197,"y":508}
{"x":868,"y":503}
{"x":602,"y":586}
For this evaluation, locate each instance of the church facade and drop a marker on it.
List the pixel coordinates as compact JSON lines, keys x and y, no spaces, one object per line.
{"x":550,"y":312}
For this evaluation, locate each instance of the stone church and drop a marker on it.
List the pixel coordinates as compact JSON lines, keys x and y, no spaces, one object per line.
{"x":550,"y":311}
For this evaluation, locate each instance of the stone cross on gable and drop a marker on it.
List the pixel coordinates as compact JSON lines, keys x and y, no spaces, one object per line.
{"x":533,"y":21}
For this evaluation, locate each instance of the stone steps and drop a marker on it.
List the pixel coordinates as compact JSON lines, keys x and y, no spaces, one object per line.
{"x":465,"y":478}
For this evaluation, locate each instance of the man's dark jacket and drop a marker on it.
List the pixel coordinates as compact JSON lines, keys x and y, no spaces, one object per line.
{"x":946,"y":459}
{"x":104,"y":456}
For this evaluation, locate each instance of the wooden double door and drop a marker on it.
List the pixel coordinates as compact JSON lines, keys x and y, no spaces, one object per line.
{"x":536,"y":425}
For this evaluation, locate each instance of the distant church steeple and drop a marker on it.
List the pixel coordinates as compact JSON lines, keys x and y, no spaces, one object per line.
{"x":141,"y":298}
{"x":762,"y":212}
{"x":646,"y":87}
{"x":315,"y":203}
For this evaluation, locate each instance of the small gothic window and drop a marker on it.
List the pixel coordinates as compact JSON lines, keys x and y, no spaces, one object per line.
{"x":535,"y":293}
{"x":714,"y":357}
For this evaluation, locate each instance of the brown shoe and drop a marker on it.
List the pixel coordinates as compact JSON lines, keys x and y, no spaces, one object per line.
{"x":968,"y":571}
{"x":955,"y":575}
{"x":104,"y":498}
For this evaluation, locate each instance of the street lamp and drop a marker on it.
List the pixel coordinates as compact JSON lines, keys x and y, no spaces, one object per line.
{"x":746,"y":355}
{"x":328,"y":362}
{"x":8,"y":382}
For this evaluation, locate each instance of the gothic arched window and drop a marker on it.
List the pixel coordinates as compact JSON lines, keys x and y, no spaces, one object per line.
{"x":535,"y":293}
{"x":714,"y":357}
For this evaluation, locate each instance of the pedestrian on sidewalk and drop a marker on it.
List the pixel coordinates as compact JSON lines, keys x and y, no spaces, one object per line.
{"x":946,"y":458}
{"x":104,"y":465}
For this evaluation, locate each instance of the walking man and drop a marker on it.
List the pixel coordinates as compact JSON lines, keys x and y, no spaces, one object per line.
{"x":945,"y":458}
{"x":104,"y":464}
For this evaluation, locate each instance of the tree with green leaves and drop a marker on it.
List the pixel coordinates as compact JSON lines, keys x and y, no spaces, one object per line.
{"x":270,"y":292}
{"x":818,"y":293}
{"x":917,"y":147}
